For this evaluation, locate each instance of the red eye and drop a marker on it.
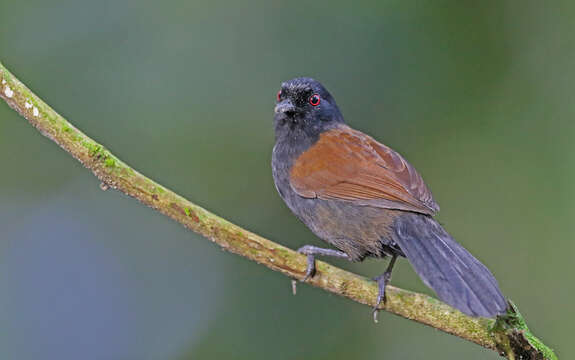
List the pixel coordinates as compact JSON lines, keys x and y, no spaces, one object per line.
{"x":279,"y":95}
{"x":314,"y":100}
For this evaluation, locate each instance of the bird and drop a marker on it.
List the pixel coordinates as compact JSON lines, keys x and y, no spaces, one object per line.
{"x":365,"y":200}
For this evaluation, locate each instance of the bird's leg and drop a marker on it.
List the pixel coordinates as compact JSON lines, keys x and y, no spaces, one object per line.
{"x":382,"y":281}
{"x":311,"y":252}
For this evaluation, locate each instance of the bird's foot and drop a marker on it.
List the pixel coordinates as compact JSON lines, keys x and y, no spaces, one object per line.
{"x":382,"y":281}
{"x":311,"y":251}
{"x":310,"y":269}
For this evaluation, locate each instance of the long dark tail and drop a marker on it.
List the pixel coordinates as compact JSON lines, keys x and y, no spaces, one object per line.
{"x":452,"y":272}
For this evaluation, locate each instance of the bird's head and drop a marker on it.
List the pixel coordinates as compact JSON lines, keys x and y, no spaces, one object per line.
{"x":305,"y":106}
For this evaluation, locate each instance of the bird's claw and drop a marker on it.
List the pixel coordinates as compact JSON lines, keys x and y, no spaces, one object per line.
{"x":375,"y":312}
{"x":382,"y":281}
{"x":310,"y":269}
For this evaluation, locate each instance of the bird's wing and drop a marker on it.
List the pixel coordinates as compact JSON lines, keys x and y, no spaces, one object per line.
{"x":345,"y":164}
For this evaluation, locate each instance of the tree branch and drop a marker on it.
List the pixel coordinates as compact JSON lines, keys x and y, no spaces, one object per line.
{"x":508,"y":335}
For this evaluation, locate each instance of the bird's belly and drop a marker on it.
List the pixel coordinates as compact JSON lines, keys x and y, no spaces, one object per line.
{"x":359,"y":231}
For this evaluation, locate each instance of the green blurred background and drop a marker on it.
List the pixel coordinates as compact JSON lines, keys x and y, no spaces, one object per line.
{"x":477,"y":95}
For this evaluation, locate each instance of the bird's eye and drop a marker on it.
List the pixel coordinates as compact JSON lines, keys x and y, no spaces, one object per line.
{"x":314,"y":100}
{"x":279,"y":95}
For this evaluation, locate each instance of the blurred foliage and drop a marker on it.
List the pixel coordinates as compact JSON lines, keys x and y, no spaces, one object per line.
{"x":477,"y":95}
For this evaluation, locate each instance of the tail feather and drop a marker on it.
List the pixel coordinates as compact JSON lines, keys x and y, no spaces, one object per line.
{"x":452,"y":272}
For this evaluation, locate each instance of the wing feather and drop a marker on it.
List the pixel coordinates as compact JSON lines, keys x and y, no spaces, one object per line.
{"x":345,"y":164}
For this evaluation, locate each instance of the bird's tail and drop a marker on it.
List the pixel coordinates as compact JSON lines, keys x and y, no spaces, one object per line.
{"x":452,"y":272}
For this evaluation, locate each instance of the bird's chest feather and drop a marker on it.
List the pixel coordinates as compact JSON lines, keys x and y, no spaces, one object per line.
{"x":283,"y":156}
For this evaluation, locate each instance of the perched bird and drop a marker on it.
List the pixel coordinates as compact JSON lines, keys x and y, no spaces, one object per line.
{"x":365,"y":200}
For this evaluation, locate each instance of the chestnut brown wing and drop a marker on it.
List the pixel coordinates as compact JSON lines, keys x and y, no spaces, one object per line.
{"x":345,"y":164}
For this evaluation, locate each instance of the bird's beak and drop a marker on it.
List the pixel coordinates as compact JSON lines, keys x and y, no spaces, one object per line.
{"x":285,"y":107}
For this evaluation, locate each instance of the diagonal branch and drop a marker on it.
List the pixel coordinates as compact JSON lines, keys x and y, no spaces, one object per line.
{"x":508,"y":335}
